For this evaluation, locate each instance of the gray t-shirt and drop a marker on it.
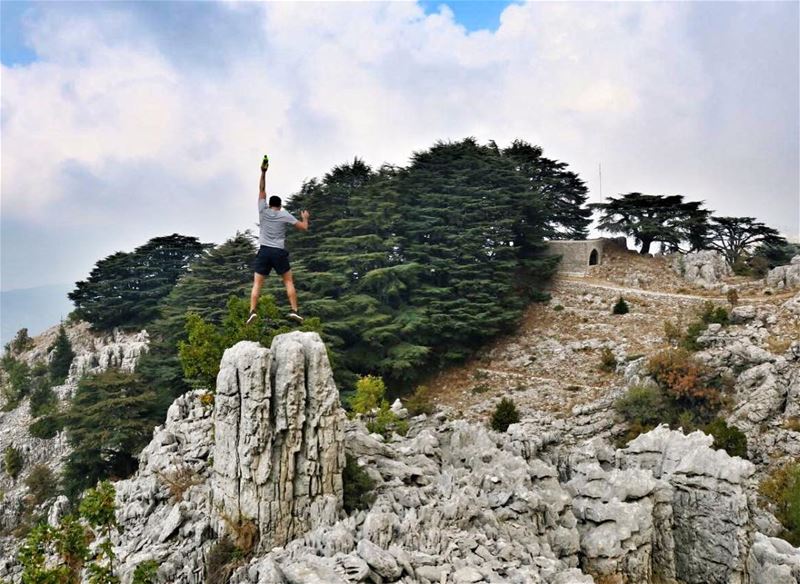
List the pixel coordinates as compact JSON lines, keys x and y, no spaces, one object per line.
{"x":273,"y":225}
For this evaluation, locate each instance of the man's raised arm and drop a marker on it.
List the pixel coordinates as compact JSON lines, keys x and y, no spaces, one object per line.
{"x":262,"y":185}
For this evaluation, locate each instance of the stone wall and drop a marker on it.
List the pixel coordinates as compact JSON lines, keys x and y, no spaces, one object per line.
{"x":578,"y":254}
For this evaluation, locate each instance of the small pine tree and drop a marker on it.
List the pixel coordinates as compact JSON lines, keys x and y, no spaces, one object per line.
{"x":12,"y":461}
{"x":504,"y":415}
{"x":621,"y":307}
{"x":62,"y":357}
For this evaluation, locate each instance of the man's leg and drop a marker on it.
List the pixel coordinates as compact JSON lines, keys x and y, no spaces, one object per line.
{"x":290,"y":291}
{"x":258,"y":281}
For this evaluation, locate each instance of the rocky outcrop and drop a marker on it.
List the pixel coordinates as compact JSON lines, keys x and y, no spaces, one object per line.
{"x":454,"y":501}
{"x":711,"y":525}
{"x":95,"y":352}
{"x":279,"y":433}
{"x":785,"y":276}
{"x":706,"y":269}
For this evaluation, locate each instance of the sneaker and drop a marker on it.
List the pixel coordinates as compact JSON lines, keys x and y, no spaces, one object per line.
{"x":296,"y":317}
{"x":252,"y":317}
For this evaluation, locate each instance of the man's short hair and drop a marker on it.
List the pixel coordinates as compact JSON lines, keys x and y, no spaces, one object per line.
{"x":274,"y":201}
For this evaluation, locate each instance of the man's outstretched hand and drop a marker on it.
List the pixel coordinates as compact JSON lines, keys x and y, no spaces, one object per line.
{"x":304,"y":214}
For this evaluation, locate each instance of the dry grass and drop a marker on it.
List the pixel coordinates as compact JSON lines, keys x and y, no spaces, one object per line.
{"x":179,"y":479}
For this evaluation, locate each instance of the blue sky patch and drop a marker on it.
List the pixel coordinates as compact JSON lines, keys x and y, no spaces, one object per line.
{"x":13,"y":49}
{"x":472,"y":14}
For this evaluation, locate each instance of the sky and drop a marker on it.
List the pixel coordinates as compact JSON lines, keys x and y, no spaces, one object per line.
{"x":125,"y":121}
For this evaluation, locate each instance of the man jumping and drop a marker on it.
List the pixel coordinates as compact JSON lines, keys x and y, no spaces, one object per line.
{"x":273,"y":221}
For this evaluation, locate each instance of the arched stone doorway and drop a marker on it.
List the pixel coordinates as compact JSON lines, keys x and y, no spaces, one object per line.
{"x":593,"y":257}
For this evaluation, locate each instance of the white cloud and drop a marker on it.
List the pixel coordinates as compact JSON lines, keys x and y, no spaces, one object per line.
{"x":112,"y":112}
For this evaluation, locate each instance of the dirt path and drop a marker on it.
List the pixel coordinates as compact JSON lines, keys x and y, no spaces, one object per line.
{"x":593,"y":283}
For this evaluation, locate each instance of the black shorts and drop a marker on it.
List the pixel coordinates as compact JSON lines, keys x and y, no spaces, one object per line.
{"x":271,"y":257}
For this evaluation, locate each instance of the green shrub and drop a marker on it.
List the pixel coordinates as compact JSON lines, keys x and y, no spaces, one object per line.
{"x":728,"y":438}
{"x":693,"y":331}
{"x":67,"y":546}
{"x":62,"y":356}
{"x":12,"y":461}
{"x":782,"y":490}
{"x":41,"y":483}
{"x":608,"y":362}
{"x":358,"y":486}
{"x":386,"y":421}
{"x":419,"y":402}
{"x":646,"y":406}
{"x":710,"y":313}
{"x":504,"y":415}
{"x":621,"y":307}
{"x":18,"y":383}
{"x":46,"y":426}
{"x":369,"y":394}
{"x":558,"y":307}
{"x":146,"y":573}
{"x":43,"y":398}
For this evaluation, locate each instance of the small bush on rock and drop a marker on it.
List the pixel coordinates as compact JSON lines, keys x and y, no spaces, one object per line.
{"x":370,"y":391}
{"x":645,"y":406}
{"x":223,"y":559}
{"x":781,"y":489}
{"x":419,"y":402}
{"x":728,"y":438}
{"x":621,"y":307}
{"x":146,"y":573}
{"x":504,"y":415}
{"x":685,"y":380}
{"x":12,"y":461}
{"x":41,"y":483}
{"x":358,"y":486}
{"x":608,"y":362}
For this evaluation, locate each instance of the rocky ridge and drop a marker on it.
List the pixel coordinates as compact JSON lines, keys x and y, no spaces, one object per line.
{"x":94,"y":353}
{"x":455,"y":501}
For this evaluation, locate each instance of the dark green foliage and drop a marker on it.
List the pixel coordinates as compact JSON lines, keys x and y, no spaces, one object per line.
{"x":62,"y":356}
{"x":146,"y":573}
{"x":221,"y":272}
{"x":777,"y":254}
{"x":125,"y":288}
{"x":358,"y":486}
{"x":21,"y":342}
{"x":18,"y":381}
{"x":43,"y":399}
{"x":782,"y":491}
{"x":417,"y":267}
{"x":647,"y":406}
{"x":728,"y":438}
{"x":564,"y":194}
{"x":735,"y":236}
{"x":41,"y":483}
{"x":668,"y":220}
{"x":621,"y":307}
{"x":504,"y":415}
{"x":12,"y":461}
{"x":109,"y":420}
{"x":46,"y":426}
